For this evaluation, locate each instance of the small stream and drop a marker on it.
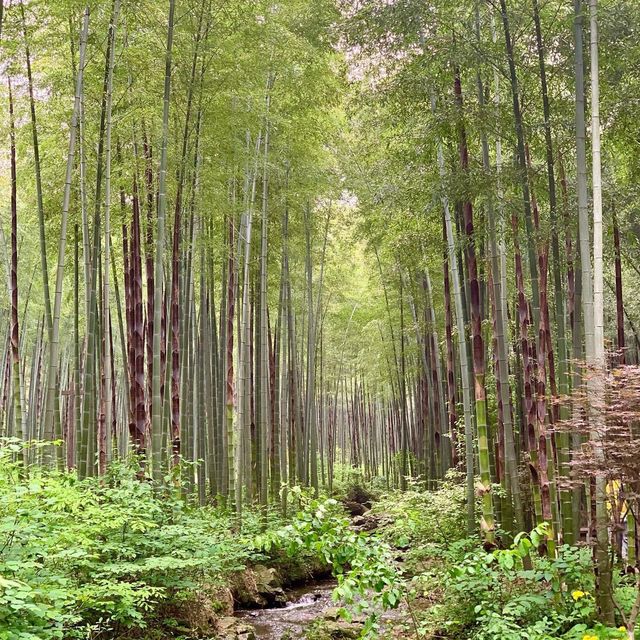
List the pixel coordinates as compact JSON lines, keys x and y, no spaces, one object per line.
{"x":304,"y":605}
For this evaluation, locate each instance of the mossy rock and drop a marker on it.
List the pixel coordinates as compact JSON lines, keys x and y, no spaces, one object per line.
{"x":230,"y":628}
{"x":258,"y":587}
{"x":196,"y":612}
{"x":301,"y":570}
{"x":334,"y":629}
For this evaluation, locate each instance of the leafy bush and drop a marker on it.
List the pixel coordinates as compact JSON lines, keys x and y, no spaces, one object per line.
{"x":350,"y":485}
{"x":368,"y":580}
{"x":422,"y":517}
{"x":513,"y":594}
{"x":101,"y":553}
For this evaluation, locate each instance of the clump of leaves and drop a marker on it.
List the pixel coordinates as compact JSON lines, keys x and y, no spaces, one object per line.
{"x":100,"y":554}
{"x":425,"y":517}
{"x":369,"y":581}
{"x":515,"y":594}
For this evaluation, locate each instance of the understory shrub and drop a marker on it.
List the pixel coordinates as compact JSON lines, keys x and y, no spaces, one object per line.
{"x":83,"y":559}
{"x":457,"y":590}
{"x":422,"y":517}
{"x":80,"y":557}
{"x":369,"y":581}
{"x":513,"y":594}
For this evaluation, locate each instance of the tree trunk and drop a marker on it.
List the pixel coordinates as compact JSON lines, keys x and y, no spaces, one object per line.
{"x":462,"y":349}
{"x":596,"y":384}
{"x":13,"y":280}
{"x":38,"y":176}
{"x":156,"y":401}
{"x":54,"y":345}
{"x":487,"y":521}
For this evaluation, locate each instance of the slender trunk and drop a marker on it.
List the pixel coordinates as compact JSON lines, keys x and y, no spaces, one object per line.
{"x":149,"y":266}
{"x":581,"y":177}
{"x":310,"y":404}
{"x":263,"y":343}
{"x":106,"y":408}
{"x":440,"y":420}
{"x":71,"y":450}
{"x":522,"y":162}
{"x":512,"y":481}
{"x":228,"y":373}
{"x":175,"y":269}
{"x":462,"y":348}
{"x":139,"y":401}
{"x":451,"y":374}
{"x":94,"y":353}
{"x":560,"y":316}
{"x":54,"y":346}
{"x":15,"y":333}
{"x":620,"y":344}
{"x":38,"y":176}
{"x":487,"y":521}
{"x":156,"y":401}
{"x":596,"y":384}
{"x":243,"y":452}
{"x":403,"y":429}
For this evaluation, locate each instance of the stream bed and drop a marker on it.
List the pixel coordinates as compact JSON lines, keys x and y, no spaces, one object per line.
{"x":304,"y":605}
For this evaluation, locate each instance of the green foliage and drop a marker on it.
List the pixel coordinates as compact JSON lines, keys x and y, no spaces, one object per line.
{"x":456,"y":589}
{"x":368,"y":580}
{"x":102,"y":552}
{"x":514,"y":594}
{"x":422,"y":518}
{"x":350,"y":484}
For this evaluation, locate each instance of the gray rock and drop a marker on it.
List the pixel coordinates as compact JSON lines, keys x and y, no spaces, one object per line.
{"x":332,"y":613}
{"x":355,"y":508}
{"x":358,"y":521}
{"x":366,"y":522}
{"x":259,"y":587}
{"x":230,"y":628}
{"x":339,"y":629}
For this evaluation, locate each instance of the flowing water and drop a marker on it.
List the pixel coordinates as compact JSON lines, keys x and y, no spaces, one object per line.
{"x":304,"y":605}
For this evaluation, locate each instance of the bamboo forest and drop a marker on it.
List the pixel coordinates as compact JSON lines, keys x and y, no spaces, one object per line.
{"x":321,"y":319}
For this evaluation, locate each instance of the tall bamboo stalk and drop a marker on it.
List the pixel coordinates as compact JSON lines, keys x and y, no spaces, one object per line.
{"x":462,"y":349}
{"x":13,"y":280}
{"x":156,"y":400}
{"x":596,"y":383}
{"x":54,"y":346}
{"x":38,"y":175}
{"x":106,"y":408}
{"x":487,"y":523}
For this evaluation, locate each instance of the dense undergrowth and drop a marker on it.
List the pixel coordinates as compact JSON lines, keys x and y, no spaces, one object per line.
{"x":81,"y":559}
{"x":111,"y":556}
{"x":457,"y":590}
{"x":103,"y":558}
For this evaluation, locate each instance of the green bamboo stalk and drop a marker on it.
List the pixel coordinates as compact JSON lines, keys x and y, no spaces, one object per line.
{"x":15,"y":331}
{"x":54,"y":346}
{"x":156,"y":401}
{"x":38,"y":176}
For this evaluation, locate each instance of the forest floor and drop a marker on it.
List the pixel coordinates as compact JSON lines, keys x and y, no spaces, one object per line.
{"x":116,"y":558}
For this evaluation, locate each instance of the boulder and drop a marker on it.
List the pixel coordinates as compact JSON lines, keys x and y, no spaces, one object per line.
{"x":355,"y":508}
{"x":231,"y":628}
{"x":268,"y":586}
{"x":258,"y":588}
{"x":332,"y":613}
{"x":338,"y":629}
{"x":357,"y":522}
{"x":221,"y":599}
{"x":366,"y":522}
{"x":198,"y":613}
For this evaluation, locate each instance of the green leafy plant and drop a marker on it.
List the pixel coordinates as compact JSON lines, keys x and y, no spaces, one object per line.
{"x":368,"y":580}
{"x":101,"y":554}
